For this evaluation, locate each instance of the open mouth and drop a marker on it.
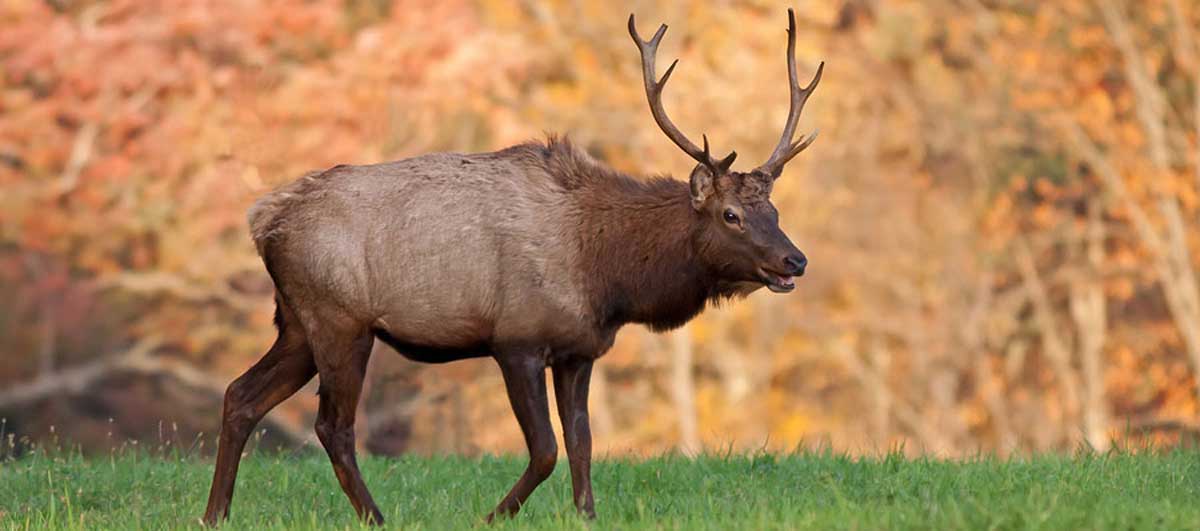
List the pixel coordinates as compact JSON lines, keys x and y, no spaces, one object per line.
{"x":776,"y":282}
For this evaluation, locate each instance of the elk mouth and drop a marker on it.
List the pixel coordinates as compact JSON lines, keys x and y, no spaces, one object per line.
{"x":776,"y":282}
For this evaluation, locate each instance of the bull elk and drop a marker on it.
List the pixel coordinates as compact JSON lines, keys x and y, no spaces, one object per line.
{"x":534,"y":256}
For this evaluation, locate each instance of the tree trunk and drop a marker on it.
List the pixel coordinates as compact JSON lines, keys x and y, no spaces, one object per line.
{"x":683,"y":389}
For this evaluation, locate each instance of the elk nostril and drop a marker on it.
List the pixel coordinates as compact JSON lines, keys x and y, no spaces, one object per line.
{"x":795,"y":264}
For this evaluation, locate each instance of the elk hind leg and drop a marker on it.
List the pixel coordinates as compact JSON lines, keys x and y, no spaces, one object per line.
{"x":282,"y":371}
{"x":342,"y":364}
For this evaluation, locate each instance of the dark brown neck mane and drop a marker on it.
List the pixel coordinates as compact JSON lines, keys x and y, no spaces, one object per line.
{"x":644,"y":265}
{"x":637,"y":238}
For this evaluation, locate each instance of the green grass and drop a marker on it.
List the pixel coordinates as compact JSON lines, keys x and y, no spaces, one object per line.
{"x":815,"y":491}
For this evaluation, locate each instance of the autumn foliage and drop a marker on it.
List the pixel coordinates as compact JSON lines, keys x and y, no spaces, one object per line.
{"x":1002,"y":211}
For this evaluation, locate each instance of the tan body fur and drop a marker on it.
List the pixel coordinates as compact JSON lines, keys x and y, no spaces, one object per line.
{"x":465,"y":254}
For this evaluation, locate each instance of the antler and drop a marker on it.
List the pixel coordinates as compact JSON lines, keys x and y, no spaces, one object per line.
{"x":654,"y":90}
{"x":786,"y":149}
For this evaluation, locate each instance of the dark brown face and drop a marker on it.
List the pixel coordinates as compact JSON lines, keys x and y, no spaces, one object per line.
{"x":742,"y":239}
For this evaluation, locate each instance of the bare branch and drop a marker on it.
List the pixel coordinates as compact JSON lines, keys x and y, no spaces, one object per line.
{"x":1055,"y":346}
{"x":74,"y":379}
{"x":138,"y":359}
{"x":1150,"y":101}
{"x":174,"y":285}
{"x":81,"y":154}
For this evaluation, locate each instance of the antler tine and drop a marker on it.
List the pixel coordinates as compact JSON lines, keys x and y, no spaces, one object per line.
{"x":786,"y":149}
{"x":723,"y":164}
{"x":649,"y":50}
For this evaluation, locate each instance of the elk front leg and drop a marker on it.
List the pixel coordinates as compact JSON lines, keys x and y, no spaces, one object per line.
{"x":525,"y":379}
{"x":571,"y":379}
{"x":280,"y":373}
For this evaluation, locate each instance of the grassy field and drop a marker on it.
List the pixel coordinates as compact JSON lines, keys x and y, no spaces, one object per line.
{"x":815,"y":491}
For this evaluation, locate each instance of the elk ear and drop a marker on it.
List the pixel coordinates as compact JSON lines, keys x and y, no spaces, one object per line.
{"x":702,"y":185}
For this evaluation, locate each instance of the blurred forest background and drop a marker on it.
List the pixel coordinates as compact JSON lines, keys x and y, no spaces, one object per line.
{"x":1002,"y":212}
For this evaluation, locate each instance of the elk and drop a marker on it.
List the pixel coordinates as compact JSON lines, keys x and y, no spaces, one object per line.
{"x":534,"y":255}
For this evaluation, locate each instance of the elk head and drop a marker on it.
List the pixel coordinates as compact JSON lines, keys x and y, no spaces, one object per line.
{"x":740,"y":237}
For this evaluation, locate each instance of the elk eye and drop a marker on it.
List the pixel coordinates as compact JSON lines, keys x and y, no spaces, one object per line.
{"x":731,"y":218}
